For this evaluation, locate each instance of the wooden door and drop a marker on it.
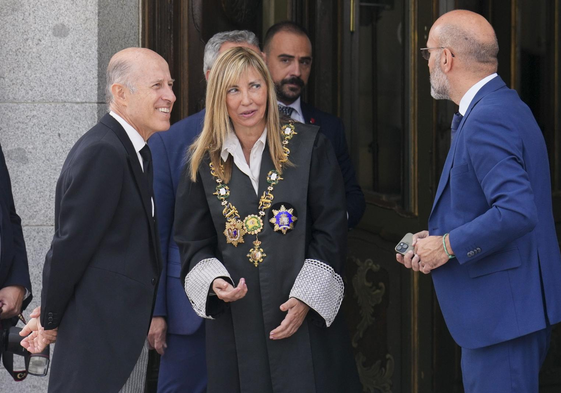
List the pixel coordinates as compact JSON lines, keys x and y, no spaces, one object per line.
{"x":398,"y":150}
{"x":367,"y":70}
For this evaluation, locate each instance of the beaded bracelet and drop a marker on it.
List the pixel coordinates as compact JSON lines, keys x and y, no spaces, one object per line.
{"x":450,"y":256}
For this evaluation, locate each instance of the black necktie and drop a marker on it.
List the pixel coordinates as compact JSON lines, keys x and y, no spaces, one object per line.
{"x":455,"y":124}
{"x":286,"y":110}
{"x":147,"y":164}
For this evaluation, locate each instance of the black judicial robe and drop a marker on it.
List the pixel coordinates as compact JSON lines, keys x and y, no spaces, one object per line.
{"x":240,"y":355}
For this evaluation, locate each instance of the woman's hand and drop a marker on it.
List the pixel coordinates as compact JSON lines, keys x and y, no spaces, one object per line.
{"x":297,"y":311}
{"x":226,"y":292}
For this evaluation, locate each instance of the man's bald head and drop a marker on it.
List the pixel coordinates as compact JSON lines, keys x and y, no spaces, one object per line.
{"x":123,"y":67}
{"x":470,"y":37}
{"x":140,"y":90}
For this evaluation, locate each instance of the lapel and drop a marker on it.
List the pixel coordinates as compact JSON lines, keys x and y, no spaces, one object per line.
{"x":306,"y":112}
{"x":491,"y":86}
{"x":138,"y":175}
{"x":266,"y":166}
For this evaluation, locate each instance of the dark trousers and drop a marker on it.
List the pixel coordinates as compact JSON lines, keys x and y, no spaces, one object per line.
{"x":183,"y":365}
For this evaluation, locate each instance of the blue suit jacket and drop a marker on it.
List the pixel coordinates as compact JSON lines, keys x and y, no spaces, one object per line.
{"x":332,"y":127}
{"x":168,"y":154}
{"x":14,"y":268}
{"x":494,"y":198}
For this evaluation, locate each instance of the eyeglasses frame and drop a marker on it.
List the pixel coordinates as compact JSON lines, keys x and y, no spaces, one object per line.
{"x":425,"y":52}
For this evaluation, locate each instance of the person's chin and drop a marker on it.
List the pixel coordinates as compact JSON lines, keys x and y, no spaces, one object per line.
{"x":163,"y":126}
{"x":292,"y":94}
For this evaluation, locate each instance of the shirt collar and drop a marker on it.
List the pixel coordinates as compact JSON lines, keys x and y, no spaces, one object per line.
{"x":232,"y":143}
{"x":137,"y":141}
{"x":295,"y":105}
{"x":470,"y":94}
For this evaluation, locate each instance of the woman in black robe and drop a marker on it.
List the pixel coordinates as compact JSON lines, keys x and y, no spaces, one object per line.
{"x":261,"y":227}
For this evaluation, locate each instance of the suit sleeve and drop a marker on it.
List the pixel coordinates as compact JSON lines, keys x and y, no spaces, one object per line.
{"x":495,"y":151}
{"x":196,"y":237}
{"x":88,"y":198}
{"x":353,"y":192}
{"x":164,"y":197}
{"x":19,"y":271}
{"x":319,"y":283}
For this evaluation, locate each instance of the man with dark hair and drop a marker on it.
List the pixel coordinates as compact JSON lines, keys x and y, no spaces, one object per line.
{"x":491,"y":246}
{"x":177,"y":333}
{"x":288,"y":54}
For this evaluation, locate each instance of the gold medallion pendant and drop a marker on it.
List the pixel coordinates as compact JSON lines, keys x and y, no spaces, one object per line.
{"x":256,"y":254}
{"x":253,"y":224}
{"x":283,"y":219}
{"x":234,"y":232}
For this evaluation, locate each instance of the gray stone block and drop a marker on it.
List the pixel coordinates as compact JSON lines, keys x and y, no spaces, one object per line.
{"x":35,"y":145}
{"x":31,"y":384}
{"x":37,"y":241}
{"x":49,"y":51}
{"x":118,"y":28}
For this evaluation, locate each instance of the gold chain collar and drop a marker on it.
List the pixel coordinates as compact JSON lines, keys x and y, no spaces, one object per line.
{"x":236,"y":228}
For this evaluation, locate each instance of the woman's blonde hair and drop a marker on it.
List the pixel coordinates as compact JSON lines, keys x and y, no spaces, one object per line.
{"x":225,"y":73}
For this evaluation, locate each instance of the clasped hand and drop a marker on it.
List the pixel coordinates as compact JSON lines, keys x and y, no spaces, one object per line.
{"x":36,"y":337}
{"x":428,"y":255}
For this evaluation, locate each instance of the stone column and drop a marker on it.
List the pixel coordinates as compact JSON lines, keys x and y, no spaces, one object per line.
{"x":53,"y":56}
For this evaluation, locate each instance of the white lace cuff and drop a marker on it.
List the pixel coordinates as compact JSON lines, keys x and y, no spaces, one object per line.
{"x":199,"y":280}
{"x":319,"y":287}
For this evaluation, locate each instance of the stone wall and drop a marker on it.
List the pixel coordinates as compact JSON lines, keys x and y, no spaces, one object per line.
{"x":53,"y":56}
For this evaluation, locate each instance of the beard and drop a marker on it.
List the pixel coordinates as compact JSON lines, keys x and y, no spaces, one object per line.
{"x":289,"y":94}
{"x":439,"y":84}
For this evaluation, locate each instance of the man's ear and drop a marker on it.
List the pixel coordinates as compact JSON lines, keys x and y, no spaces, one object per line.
{"x":207,"y":73}
{"x":264,"y":55}
{"x":119,"y":93}
{"x":446,"y":60}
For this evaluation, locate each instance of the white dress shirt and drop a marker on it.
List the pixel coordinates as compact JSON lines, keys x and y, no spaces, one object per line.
{"x":470,"y":94}
{"x":137,"y":142}
{"x":233,"y":147}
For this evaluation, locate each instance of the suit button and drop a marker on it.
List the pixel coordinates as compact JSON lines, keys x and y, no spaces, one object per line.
{"x":478,"y":250}
{"x":50,"y":314}
{"x":470,"y":254}
{"x":153,"y":281}
{"x":50,"y":319}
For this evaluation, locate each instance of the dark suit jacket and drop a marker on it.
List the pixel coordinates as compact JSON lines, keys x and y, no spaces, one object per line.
{"x":101,"y":273}
{"x":494,"y":198}
{"x":14,"y":269}
{"x":168,"y":153}
{"x":332,"y":127}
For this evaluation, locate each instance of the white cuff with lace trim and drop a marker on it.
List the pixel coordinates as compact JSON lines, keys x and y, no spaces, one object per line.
{"x":199,"y":280}
{"x":319,"y":287}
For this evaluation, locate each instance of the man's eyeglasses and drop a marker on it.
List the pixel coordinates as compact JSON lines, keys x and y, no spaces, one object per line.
{"x":425,"y":52}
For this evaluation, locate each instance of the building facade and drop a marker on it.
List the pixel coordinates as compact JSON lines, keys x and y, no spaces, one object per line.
{"x":367,"y":69}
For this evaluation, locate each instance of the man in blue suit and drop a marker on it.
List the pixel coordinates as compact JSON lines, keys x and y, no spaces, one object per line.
{"x":288,"y":54}
{"x":176,"y":332}
{"x":491,"y":246}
